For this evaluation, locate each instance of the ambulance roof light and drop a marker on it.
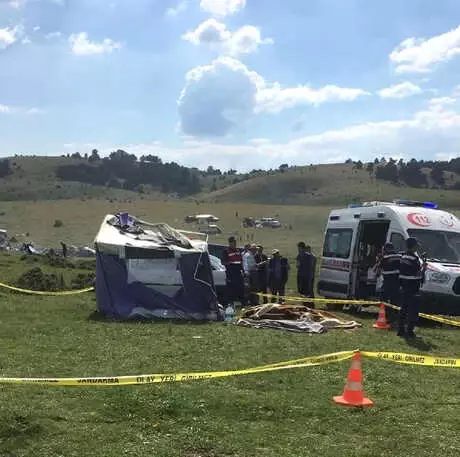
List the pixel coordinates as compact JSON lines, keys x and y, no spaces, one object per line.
{"x":430,"y":205}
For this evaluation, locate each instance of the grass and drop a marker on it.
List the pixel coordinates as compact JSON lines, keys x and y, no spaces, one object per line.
{"x":270,"y":414}
{"x":282,"y":413}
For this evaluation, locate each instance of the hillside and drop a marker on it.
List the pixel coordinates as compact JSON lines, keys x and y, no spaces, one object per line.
{"x":121,"y":179}
{"x":337,"y":184}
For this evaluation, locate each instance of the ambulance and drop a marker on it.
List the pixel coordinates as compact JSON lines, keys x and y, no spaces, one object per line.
{"x":354,"y":239}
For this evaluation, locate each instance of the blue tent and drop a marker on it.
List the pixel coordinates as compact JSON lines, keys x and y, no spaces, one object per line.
{"x":153,"y":271}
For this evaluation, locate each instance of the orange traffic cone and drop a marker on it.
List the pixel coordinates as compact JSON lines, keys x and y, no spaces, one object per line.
{"x":353,"y":392}
{"x":382,"y":323}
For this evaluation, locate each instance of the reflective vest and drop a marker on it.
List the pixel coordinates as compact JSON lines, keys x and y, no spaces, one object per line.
{"x":390,"y":265}
{"x":410,"y":271}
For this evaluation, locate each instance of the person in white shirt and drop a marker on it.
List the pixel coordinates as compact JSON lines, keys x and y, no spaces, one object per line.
{"x":250,"y":273}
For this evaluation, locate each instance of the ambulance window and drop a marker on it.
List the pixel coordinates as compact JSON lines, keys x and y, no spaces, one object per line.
{"x":398,"y":241}
{"x":338,"y":243}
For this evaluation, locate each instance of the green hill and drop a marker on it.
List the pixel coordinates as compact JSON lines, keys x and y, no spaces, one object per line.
{"x":337,"y":184}
{"x":36,"y":178}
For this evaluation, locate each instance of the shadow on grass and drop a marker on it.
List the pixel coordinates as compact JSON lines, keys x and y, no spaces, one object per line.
{"x":420,"y":344}
{"x":96,"y":316}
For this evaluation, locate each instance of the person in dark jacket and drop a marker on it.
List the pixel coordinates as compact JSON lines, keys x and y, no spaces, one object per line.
{"x":304,"y":270}
{"x":311,"y":290}
{"x":388,"y":267}
{"x":278,"y":273}
{"x":233,"y":262}
{"x":262,"y":272}
{"x":411,"y":276}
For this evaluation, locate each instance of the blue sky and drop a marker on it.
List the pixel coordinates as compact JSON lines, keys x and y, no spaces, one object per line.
{"x":232,"y":83}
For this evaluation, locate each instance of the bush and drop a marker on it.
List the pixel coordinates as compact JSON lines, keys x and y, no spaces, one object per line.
{"x":83,"y":280}
{"x":35,"y":279}
{"x":58,"y":223}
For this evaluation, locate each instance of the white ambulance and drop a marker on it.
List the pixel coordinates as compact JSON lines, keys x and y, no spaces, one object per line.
{"x":355,"y":236}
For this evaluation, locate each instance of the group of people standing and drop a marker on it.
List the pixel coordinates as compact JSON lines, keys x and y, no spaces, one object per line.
{"x":250,"y":269}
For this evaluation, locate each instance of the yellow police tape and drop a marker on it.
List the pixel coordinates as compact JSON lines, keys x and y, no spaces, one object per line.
{"x":412,"y":359}
{"x":431,"y":317}
{"x":321,"y":300}
{"x":40,"y":292}
{"x":179,"y":377}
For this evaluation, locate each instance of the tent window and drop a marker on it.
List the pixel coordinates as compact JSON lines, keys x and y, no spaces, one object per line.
{"x":338,"y":243}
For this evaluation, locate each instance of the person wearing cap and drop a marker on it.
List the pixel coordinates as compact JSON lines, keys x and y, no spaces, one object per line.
{"x":233,"y":262}
{"x":278,"y":273}
{"x":411,"y":274}
{"x":250,"y":273}
{"x":262,"y":272}
{"x":388,"y":267}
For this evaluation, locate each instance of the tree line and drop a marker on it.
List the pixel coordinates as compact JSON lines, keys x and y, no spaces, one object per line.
{"x":413,"y":173}
{"x":124,"y":171}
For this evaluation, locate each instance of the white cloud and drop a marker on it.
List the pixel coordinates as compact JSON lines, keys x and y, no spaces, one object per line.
{"x":17,"y":4}
{"x":26,"y":40}
{"x":402,"y":90}
{"x":34,"y":111}
{"x":428,"y":134}
{"x":18,"y":110}
{"x":274,"y":98}
{"x":36,"y":28}
{"x":9,"y":36}
{"x":214,"y":34}
{"x":180,"y":8}
{"x":222,"y":7}
{"x":82,"y":46}
{"x":51,"y":35}
{"x":218,"y":96}
{"x":442,"y":101}
{"x":420,"y":55}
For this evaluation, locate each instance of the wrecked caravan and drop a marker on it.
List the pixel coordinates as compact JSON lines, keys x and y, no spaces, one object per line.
{"x":153,"y":271}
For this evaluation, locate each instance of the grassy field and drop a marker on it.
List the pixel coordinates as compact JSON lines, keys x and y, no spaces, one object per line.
{"x":271,"y":414}
{"x":282,"y":413}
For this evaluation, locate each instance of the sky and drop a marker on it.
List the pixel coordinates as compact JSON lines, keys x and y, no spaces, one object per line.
{"x":243,"y":84}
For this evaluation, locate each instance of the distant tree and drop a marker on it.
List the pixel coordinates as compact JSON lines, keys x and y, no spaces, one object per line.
{"x":388,"y":172}
{"x":349,"y":161}
{"x":358,"y":165}
{"x":370,"y":168}
{"x":437,"y":175}
{"x":94,"y":157}
{"x":401,"y":163}
{"x":86,"y":156}
{"x":412,"y":175}
{"x":5,"y":168}
{"x":76,"y":155}
{"x":151,"y":159}
{"x":376,"y":161}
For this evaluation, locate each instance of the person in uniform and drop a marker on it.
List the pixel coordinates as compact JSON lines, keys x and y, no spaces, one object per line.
{"x":411,"y":276}
{"x":233,"y":262}
{"x":389,"y":268}
{"x":304,"y":270}
{"x":278,"y":274}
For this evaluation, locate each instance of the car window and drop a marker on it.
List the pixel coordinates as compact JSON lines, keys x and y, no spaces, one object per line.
{"x":338,"y":243}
